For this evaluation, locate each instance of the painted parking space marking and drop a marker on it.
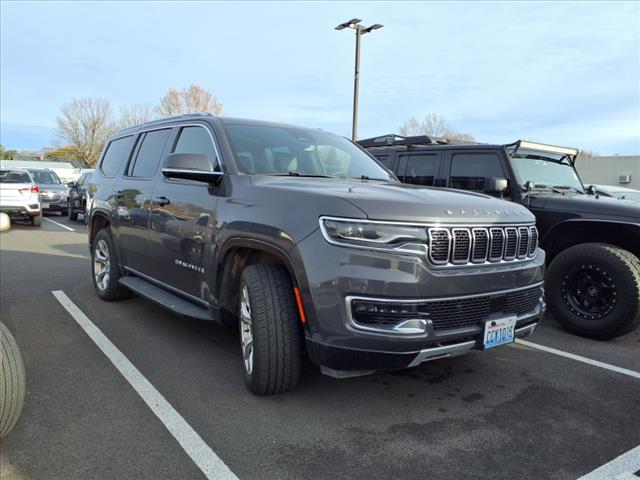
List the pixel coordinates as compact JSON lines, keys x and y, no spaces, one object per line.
{"x":624,"y":467}
{"x":59,"y":224}
{"x":201,"y":454}
{"x":578,"y":358}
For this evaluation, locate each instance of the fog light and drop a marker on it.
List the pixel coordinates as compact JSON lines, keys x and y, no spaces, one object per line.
{"x":403,"y":318}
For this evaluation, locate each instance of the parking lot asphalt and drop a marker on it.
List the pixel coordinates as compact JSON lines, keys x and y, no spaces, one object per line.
{"x":512,"y":412}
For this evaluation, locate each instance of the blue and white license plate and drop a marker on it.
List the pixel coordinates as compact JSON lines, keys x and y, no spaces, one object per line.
{"x":499,"y":332}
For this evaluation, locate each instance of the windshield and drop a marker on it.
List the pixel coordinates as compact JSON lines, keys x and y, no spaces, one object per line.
{"x":13,"y":176}
{"x":545,"y":172}
{"x":275,"y":150}
{"x":45,"y":178}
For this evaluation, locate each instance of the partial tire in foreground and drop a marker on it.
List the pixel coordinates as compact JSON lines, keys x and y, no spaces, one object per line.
{"x":12,"y":381}
{"x":270,"y":332}
{"x":104,"y":268}
{"x":593,"y":289}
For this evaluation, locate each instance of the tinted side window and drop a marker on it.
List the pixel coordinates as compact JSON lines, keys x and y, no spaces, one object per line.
{"x":196,"y":140}
{"x":117,"y":151}
{"x":468,"y":170}
{"x":386,"y":160}
{"x":148,"y":158}
{"x":422,"y":169}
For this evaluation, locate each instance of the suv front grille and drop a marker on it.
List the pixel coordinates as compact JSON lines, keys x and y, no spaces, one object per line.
{"x":450,"y":313}
{"x":462,"y":246}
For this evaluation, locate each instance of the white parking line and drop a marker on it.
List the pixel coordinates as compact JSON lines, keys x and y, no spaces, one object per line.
{"x":59,"y":224}
{"x":187,"y":437}
{"x":623,"y":467}
{"x":578,"y":358}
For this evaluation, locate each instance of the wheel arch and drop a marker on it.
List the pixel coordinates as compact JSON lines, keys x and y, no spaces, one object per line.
{"x":625,"y":235}
{"x":238,"y":253}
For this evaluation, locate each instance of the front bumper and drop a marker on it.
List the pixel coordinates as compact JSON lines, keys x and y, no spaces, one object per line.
{"x":332,"y":276}
{"x":350,"y":359}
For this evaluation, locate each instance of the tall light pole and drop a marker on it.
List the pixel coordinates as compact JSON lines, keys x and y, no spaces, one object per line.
{"x":354,"y":24}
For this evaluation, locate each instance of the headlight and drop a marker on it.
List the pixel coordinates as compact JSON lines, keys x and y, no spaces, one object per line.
{"x":375,"y":235}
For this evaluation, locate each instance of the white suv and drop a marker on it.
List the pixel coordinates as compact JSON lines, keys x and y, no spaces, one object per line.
{"x":19,"y":196}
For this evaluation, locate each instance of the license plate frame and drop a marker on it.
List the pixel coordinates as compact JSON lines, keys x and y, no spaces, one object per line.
{"x":498,"y":331}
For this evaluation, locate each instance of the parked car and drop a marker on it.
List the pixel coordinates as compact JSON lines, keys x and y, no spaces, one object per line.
{"x":77,"y":197}
{"x":53,"y":193}
{"x":621,"y":193}
{"x":304,"y":243}
{"x":19,"y":196}
{"x":592,"y":242}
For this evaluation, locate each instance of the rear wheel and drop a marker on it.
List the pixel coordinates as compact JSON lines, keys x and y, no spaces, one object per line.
{"x":36,"y":221}
{"x":71,"y":214}
{"x":593,"y":289}
{"x":270,"y":333}
{"x":105,"y":269}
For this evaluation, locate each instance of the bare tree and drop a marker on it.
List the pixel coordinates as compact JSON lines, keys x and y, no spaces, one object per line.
{"x":86,"y":123}
{"x":188,"y":100}
{"x":433,"y":125}
{"x":135,"y":115}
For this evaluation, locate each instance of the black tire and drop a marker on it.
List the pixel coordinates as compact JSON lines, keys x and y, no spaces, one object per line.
{"x":64,"y":213}
{"x":593,"y":290}
{"x":71,"y":215}
{"x":275,"y":329}
{"x":13,"y":385}
{"x":36,"y":221}
{"x":108,"y":288}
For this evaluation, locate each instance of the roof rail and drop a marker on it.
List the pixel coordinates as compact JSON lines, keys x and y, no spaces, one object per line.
{"x":394,"y":140}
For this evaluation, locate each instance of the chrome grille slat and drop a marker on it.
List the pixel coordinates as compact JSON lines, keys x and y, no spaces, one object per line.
{"x":459,"y":245}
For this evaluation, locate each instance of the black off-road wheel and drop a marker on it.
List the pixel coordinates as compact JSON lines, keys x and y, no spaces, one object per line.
{"x":270,"y":332}
{"x":593,"y":290}
{"x":104,"y":268}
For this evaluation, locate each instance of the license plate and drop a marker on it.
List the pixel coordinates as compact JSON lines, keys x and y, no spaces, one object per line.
{"x":499,"y":332}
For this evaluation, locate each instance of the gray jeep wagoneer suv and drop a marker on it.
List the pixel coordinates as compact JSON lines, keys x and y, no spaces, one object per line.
{"x":308,"y":245}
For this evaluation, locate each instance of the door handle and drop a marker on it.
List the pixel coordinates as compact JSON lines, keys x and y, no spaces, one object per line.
{"x":119,"y":193}
{"x":161,"y":201}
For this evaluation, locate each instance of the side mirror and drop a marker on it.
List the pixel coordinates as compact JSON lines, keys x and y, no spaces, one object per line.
{"x":191,"y":166}
{"x":592,"y":190}
{"x":495,"y":185}
{"x":71,"y":184}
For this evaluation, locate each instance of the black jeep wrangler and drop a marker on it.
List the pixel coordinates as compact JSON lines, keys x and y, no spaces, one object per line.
{"x":306,"y":244}
{"x":592,"y":242}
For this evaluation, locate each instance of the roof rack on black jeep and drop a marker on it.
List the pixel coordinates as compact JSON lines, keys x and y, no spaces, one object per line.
{"x":393,"y":140}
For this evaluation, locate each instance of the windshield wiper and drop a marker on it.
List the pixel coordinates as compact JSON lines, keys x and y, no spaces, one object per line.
{"x":540,"y":186}
{"x":569,"y":187}
{"x":365,"y":177}
{"x":298,"y":174}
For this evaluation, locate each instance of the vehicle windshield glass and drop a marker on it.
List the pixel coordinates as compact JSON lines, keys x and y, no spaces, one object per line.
{"x":276,"y":150}
{"x":545,"y":170}
{"x":46,"y":178}
{"x":12,"y":176}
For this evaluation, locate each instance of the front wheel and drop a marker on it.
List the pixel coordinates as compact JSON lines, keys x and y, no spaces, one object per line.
{"x":593,"y":289}
{"x":71,"y":215}
{"x":270,"y":333}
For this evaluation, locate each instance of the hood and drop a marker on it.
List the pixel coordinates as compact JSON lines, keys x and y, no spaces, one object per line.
{"x":589,"y":206}
{"x":402,"y":202}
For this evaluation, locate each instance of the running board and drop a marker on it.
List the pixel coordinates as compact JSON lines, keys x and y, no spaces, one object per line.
{"x":164,"y":298}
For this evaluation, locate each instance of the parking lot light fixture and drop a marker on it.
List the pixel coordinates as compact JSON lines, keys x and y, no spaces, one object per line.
{"x":360,"y":30}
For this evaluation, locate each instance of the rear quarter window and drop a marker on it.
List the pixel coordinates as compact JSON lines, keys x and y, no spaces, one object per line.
{"x":117,"y":152}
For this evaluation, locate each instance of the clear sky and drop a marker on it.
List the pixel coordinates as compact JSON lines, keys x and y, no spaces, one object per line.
{"x":561,"y":73}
